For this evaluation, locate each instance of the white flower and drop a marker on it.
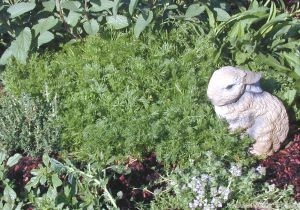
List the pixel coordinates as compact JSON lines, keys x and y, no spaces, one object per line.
{"x":205,"y":177}
{"x":214,"y":191}
{"x":235,"y":170}
{"x":224,"y":192}
{"x":192,"y":206}
{"x":208,"y":207}
{"x":216,"y":202}
{"x":261,"y":170}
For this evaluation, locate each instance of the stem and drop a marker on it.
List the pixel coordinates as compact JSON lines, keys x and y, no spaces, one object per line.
{"x":106,"y":192}
{"x":111,"y":199}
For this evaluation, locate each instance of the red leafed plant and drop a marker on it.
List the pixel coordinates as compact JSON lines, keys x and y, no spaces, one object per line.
{"x":20,"y":172}
{"x":283,"y":168}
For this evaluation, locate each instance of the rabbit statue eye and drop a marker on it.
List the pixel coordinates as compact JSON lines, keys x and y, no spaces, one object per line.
{"x":228,"y":87}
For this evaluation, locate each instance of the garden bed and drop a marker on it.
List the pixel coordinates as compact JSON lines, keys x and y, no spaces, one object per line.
{"x":120,"y":119}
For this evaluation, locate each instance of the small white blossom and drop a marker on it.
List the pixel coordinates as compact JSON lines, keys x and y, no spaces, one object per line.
{"x":214,"y":191}
{"x":235,"y":170}
{"x":205,"y":177}
{"x":207,"y":197}
{"x":261,"y":170}
{"x":216,"y":202}
{"x":208,"y":207}
{"x":192,"y":206}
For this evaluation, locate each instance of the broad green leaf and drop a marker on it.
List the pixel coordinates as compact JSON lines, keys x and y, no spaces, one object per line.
{"x":52,"y":193}
{"x":46,"y":159}
{"x":56,"y":182}
{"x":211,"y":18}
{"x":67,"y":191}
{"x":8,"y":206}
{"x":237,"y":31}
{"x":132,"y":6}
{"x":254,"y":4}
{"x":9,"y":194}
{"x":294,"y":61}
{"x":22,"y":44}
{"x":91,"y":27}
{"x":194,"y":10}
{"x":56,"y":165}
{"x":297,"y":71}
{"x":290,"y":96}
{"x":33,"y":182}
{"x":43,"y":179}
{"x":271,"y":61}
{"x":272,"y":12}
{"x":49,"y":5}
{"x":142,"y":22}
{"x":288,"y":45}
{"x":19,"y":48}
{"x":72,"y":6}
{"x":13,"y":160}
{"x":35,"y":172}
{"x":241,"y":57}
{"x":104,"y":5}
{"x":292,"y":58}
{"x":2,"y":157}
{"x":44,"y":38}
{"x":116,"y":7}
{"x":118,"y":21}
{"x":20,"y":8}
{"x":266,"y":28}
{"x":281,"y":30}
{"x":222,"y":15}
{"x":6,"y":56}
{"x":73,"y":18}
{"x":45,"y":24}
{"x":172,"y":7}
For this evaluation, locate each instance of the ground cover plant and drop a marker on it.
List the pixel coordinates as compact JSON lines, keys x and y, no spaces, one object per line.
{"x":120,"y":122}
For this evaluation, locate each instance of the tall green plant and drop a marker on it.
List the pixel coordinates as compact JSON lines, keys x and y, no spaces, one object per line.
{"x":29,"y":24}
{"x":265,"y":33}
{"x":28,"y":125}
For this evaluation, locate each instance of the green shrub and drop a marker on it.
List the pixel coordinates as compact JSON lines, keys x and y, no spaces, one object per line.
{"x":28,"y":125}
{"x":124,"y":97}
{"x":120,"y":96}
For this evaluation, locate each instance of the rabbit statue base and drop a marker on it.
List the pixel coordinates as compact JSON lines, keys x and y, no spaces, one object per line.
{"x":238,"y":98}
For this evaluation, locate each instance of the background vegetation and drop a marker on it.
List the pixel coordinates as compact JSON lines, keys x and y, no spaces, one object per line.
{"x":135,"y":90}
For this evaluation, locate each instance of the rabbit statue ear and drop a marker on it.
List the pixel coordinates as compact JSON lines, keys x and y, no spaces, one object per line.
{"x":251,"y":77}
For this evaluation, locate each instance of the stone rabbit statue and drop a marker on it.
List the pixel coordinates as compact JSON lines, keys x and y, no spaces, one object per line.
{"x":238,"y":98}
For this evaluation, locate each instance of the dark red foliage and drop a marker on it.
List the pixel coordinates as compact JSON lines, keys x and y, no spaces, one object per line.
{"x":20,"y":172}
{"x":143,"y":174}
{"x":283,"y":168}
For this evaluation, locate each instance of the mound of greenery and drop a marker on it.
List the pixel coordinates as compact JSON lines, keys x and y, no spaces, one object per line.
{"x":119,"y":96}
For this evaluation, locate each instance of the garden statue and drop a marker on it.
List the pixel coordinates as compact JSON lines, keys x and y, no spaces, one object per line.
{"x":238,"y":98}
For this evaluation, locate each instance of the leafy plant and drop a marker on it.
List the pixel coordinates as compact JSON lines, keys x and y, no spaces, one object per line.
{"x":28,"y":25}
{"x":28,"y":125}
{"x":46,"y":187}
{"x":265,"y":35}
{"x":216,"y":183}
